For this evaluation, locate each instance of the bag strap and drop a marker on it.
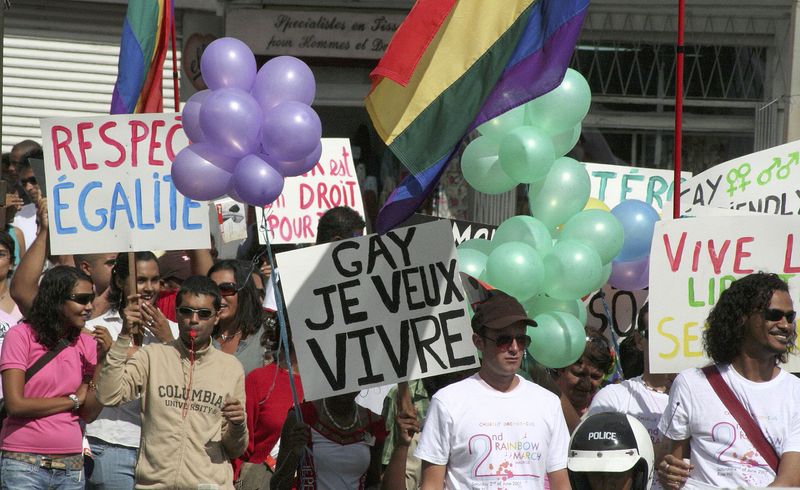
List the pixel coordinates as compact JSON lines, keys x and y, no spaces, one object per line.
{"x":46,"y":357}
{"x":742,"y":416}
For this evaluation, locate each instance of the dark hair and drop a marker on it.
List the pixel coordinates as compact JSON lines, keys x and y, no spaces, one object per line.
{"x":249,"y":316}
{"x":7,"y":241}
{"x":598,"y":351}
{"x":643,"y":319}
{"x":45,"y":316}
{"x":631,"y":359}
{"x":199,"y":286}
{"x":338,"y":223}
{"x":25,"y":158}
{"x":727,"y":322}
{"x":116,"y":296}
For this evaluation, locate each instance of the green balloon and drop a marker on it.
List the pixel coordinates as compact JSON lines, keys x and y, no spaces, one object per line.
{"x":563,"y":107}
{"x":515,"y":268}
{"x":541,"y":303}
{"x":561,"y":194}
{"x":526,"y":154}
{"x":495,"y":129}
{"x":480,"y":244}
{"x":471,"y":262}
{"x":565,"y":141}
{"x":481,"y":167}
{"x":558,"y":340}
{"x":599,"y":229}
{"x":573,"y":270}
{"x":605,"y":273}
{"x":525,"y":229}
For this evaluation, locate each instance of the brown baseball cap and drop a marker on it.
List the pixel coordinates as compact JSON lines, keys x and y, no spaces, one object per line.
{"x":175,"y":264}
{"x":499,"y":311}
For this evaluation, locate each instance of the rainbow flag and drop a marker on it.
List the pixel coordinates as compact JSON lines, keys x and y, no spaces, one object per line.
{"x":453,"y":65}
{"x":143,"y":48}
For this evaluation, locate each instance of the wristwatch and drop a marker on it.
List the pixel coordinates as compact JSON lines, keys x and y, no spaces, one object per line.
{"x":76,"y":404}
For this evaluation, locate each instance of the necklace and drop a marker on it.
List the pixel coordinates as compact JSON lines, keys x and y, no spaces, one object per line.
{"x":225,"y":338}
{"x":355,"y":422}
{"x":659,"y":389}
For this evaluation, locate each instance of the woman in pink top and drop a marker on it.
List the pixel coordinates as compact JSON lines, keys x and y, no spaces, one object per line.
{"x":41,"y":437}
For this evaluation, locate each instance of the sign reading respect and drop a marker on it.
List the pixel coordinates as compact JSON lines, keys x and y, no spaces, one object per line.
{"x":110,"y":189}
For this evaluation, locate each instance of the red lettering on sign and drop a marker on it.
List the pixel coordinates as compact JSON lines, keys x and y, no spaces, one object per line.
{"x":59,"y":145}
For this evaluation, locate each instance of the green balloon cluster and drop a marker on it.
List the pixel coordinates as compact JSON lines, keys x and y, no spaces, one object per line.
{"x":521,"y":145}
{"x":558,"y":340}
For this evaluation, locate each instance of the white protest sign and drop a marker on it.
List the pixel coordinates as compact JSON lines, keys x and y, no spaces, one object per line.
{"x":376,"y":310}
{"x":764,"y":182}
{"x":613,"y":184}
{"x":110,"y":188}
{"x":693,"y":260}
{"x":293,"y":217}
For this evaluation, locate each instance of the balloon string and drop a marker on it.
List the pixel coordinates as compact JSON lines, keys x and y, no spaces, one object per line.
{"x":284,"y":337}
{"x":614,"y":344}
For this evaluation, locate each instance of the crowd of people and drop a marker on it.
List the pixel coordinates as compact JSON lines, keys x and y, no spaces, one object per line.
{"x":177,"y":378}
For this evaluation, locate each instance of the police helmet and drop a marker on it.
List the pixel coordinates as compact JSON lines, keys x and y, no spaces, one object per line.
{"x":611,"y":442}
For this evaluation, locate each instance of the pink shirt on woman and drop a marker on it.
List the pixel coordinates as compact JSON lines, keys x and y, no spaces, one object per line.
{"x":59,"y":433}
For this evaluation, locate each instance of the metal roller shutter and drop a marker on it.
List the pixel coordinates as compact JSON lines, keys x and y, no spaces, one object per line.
{"x":60,"y":59}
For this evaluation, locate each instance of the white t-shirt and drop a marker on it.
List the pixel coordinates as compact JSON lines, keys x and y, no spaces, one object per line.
{"x":491,"y":440}
{"x":339,"y":466}
{"x":632,"y":397}
{"x":123,"y":424}
{"x":720,"y":452}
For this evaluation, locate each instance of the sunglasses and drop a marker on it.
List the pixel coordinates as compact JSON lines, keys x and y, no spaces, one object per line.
{"x":202,"y":313}
{"x":30,"y":180}
{"x":503,"y":342}
{"x":228,"y":289}
{"x":775,"y":315}
{"x":82,"y":298}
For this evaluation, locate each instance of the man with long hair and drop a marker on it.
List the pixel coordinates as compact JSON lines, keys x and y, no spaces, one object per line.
{"x":751,"y":330}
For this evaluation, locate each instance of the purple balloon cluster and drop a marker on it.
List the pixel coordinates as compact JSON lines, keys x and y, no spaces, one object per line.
{"x":250,"y":129}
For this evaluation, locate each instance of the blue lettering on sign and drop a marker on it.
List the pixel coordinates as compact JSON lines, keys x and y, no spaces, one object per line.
{"x":623,"y":195}
{"x":604,"y":176}
{"x":95,"y":217}
{"x":59,"y":206}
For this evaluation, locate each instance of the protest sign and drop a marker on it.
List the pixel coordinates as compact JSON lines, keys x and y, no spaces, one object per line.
{"x":293,"y":217}
{"x":376,"y":310}
{"x":623,"y":307}
{"x":764,"y":182}
{"x":613,"y":184}
{"x":110,"y":188}
{"x":693,"y":260}
{"x":462,"y":230}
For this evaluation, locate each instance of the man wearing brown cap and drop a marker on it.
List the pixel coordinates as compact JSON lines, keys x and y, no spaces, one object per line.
{"x":495,"y":429}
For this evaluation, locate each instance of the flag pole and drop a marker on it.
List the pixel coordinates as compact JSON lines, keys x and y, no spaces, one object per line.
{"x":175,"y":89}
{"x":676,"y":194}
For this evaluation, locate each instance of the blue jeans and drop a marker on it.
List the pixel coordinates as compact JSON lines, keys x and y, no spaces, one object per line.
{"x":113,"y":466}
{"x":15,"y":475}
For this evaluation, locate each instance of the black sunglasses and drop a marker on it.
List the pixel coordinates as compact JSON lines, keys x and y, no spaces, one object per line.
{"x":81,"y":298}
{"x":228,"y":289}
{"x":30,"y":180}
{"x":503,"y":342}
{"x":775,"y":315}
{"x":202,"y":313}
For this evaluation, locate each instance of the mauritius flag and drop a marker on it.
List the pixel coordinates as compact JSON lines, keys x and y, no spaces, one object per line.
{"x":453,"y":65}
{"x":143,"y":48}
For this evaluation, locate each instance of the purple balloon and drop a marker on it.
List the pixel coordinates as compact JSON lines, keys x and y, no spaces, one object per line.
{"x":196,"y":177}
{"x":190,"y":116}
{"x":282,"y":79}
{"x":232,"y":193}
{"x":631,"y":275}
{"x":228,"y":63}
{"x":291,"y":130}
{"x":230,"y":119}
{"x":293,"y":169}
{"x":255,"y":181}
{"x":212,"y":154}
